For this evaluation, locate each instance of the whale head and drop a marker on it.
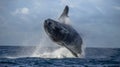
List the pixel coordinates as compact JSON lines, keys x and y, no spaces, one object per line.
{"x":56,"y":30}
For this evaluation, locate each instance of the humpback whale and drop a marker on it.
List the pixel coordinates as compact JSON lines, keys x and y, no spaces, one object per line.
{"x":62,"y":33}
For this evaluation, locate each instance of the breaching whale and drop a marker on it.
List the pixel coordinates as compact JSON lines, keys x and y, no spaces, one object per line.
{"x":63,"y":33}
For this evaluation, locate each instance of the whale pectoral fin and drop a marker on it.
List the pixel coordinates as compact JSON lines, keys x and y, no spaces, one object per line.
{"x":74,"y":53}
{"x":65,"y":12}
{"x":64,"y":16}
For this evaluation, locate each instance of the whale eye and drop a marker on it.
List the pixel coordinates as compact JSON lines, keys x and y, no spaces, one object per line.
{"x":49,"y":23}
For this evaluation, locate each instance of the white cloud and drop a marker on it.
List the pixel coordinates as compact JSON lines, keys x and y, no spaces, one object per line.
{"x":23,"y":11}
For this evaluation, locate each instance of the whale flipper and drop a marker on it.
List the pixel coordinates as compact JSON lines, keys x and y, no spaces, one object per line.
{"x":72,"y":51}
{"x":64,"y":18}
{"x":65,"y":12}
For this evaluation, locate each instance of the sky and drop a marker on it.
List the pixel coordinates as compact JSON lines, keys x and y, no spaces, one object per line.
{"x":97,"y":21}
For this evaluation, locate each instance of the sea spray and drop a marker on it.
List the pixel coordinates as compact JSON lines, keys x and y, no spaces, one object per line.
{"x":48,"y":49}
{"x":58,"y":53}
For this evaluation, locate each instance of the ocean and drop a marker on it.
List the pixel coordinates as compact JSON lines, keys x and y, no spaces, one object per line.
{"x":21,"y":56}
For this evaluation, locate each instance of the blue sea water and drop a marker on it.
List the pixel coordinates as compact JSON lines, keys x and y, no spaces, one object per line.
{"x":16,"y":56}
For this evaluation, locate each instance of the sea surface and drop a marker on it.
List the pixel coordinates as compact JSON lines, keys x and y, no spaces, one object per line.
{"x":19,"y":56}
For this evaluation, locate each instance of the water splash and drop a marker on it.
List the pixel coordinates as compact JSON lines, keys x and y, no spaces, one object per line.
{"x":48,"y":49}
{"x":58,"y":53}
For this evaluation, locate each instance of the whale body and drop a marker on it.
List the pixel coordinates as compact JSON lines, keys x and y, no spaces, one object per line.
{"x":62,"y":33}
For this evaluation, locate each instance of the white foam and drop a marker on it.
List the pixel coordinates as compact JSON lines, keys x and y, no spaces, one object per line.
{"x":58,"y":53}
{"x":54,"y":52}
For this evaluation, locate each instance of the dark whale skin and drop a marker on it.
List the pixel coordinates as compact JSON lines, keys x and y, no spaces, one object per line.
{"x":64,"y":35}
